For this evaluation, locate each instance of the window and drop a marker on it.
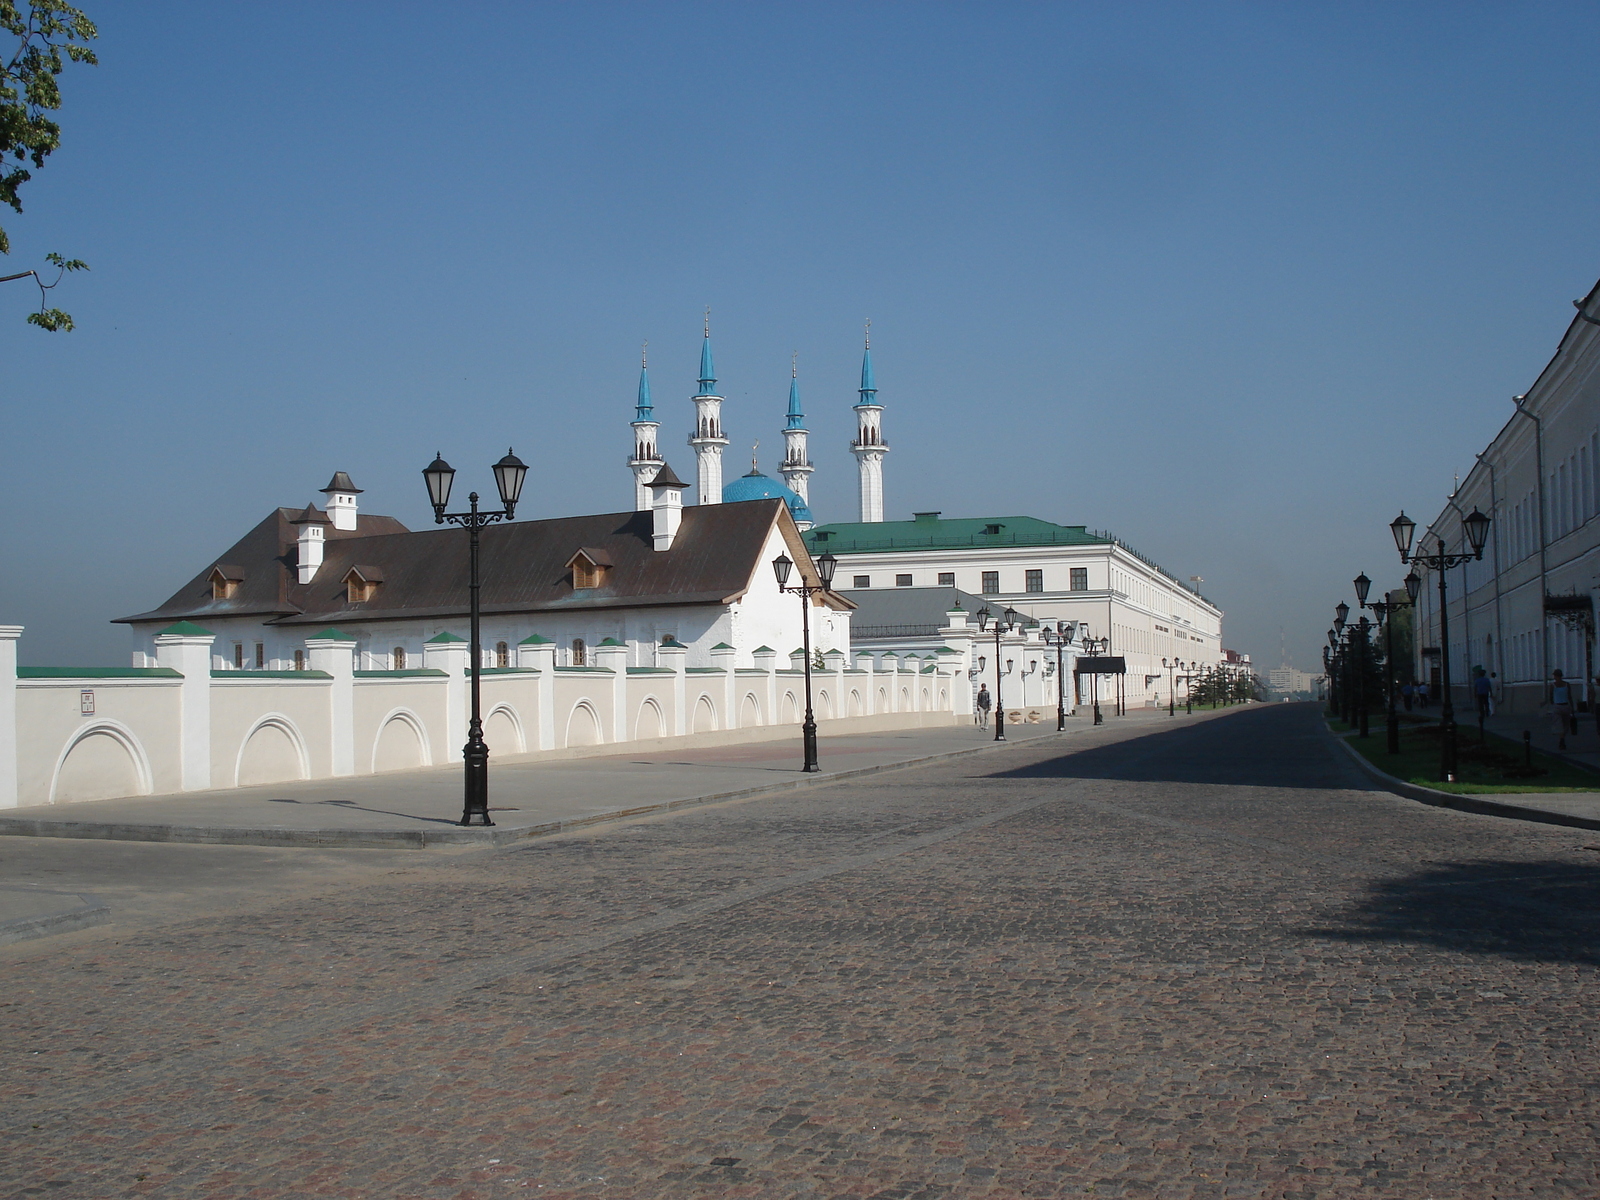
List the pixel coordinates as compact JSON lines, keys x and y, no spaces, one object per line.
{"x":947,"y":579}
{"x":224,"y":582}
{"x":398,"y":658}
{"x":1035,"y":581}
{"x":299,"y":660}
{"x":261,"y":657}
{"x":502,"y":654}
{"x":991,"y":582}
{"x":588,"y":567}
{"x":238,"y":657}
{"x":863,"y":581}
{"x":580,"y":653}
{"x":902,"y":581}
{"x":1079,"y":580}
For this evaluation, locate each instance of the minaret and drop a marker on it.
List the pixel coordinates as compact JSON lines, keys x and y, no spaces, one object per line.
{"x":707,"y":438}
{"x":868,"y":446}
{"x":796,"y":469}
{"x":645,"y":461}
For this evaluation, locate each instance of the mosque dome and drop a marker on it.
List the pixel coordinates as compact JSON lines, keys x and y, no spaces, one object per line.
{"x":756,"y":486}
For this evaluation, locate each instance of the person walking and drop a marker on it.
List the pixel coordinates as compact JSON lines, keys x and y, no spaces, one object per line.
{"x":1407,"y":691}
{"x":1422,"y":693}
{"x":1560,"y":706}
{"x":980,"y":715}
{"x":1482,"y":692}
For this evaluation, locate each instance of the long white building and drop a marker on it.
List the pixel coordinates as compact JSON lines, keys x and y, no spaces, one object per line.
{"x":1527,"y":608}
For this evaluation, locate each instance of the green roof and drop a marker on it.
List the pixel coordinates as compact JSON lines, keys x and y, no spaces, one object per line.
{"x":722,"y":646}
{"x":763,"y":650}
{"x":97,"y":673}
{"x":443,"y":639}
{"x":331,"y":635}
{"x":610,"y":642}
{"x":533,"y":639}
{"x":862,"y":537}
{"x":185,"y":629}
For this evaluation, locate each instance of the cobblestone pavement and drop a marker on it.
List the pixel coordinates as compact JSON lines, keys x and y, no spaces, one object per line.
{"x":1189,"y":963}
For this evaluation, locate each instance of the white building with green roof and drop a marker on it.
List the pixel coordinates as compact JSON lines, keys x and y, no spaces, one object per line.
{"x":1048,"y":573}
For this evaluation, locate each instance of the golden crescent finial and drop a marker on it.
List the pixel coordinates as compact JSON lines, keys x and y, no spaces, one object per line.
{"x":794,"y":365}
{"x":756,"y":445}
{"x":708,"y":320}
{"x":644,"y":360}
{"x":869,"y":334}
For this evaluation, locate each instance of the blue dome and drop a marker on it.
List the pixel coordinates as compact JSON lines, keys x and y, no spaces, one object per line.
{"x":756,"y":486}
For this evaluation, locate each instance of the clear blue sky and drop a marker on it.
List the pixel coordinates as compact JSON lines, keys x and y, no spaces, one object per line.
{"x":1236,"y":282}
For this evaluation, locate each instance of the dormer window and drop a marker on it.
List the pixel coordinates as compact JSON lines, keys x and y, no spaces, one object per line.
{"x":225,"y":581}
{"x":993,"y":529}
{"x":361,"y":583}
{"x":589,"y":567}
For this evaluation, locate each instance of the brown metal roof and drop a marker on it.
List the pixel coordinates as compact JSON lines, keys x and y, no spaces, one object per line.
{"x":524,"y":566}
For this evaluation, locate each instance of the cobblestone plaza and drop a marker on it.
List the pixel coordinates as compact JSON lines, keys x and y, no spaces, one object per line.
{"x":1191,"y":961}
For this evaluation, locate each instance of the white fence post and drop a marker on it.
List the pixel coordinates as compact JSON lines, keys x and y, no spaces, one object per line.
{"x":186,"y":649}
{"x":8,"y":714}
{"x":335,"y":652}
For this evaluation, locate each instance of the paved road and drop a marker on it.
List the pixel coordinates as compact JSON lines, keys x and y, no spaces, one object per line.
{"x":1197,"y":962}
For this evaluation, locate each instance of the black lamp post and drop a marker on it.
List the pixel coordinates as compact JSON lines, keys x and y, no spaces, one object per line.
{"x":1061,"y":638}
{"x":1385,"y":611}
{"x":1093,"y":647}
{"x":1476,"y":527}
{"x":826,"y":566}
{"x":1172,"y":667}
{"x":509,"y":474}
{"x":1003,"y":623}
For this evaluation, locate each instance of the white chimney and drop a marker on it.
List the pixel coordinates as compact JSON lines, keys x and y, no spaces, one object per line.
{"x":311,"y":524}
{"x":666,"y":506}
{"x":341,"y":494}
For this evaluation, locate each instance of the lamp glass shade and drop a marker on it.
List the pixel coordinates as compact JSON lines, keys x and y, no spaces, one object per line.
{"x":509,"y":473}
{"x":439,"y":476}
{"x":1403,"y":528}
{"x":826,"y":566}
{"x":1477,"y":527}
{"x":1333,"y":638}
{"x":1363,"y":586}
{"x":781,"y":566}
{"x":1011,"y":618}
{"x":983,"y":617}
{"x":1413,"y":585}
{"x":1341,"y":614}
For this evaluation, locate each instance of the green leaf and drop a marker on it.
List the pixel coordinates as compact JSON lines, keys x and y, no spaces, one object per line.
{"x":52,"y":319}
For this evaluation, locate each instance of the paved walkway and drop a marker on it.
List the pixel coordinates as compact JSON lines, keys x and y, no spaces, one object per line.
{"x":529,"y":796}
{"x":1191,"y":961}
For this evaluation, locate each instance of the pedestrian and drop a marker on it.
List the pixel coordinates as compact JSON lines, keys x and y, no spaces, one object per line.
{"x":981,"y":715}
{"x":1494,"y":683}
{"x":1422,"y":693}
{"x":1481,"y":692}
{"x":1407,"y":691}
{"x":1560,"y":707}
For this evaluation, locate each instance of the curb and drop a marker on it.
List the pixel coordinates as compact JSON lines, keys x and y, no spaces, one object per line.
{"x":1481,"y":805}
{"x":90,"y":911}
{"x":422,"y":839}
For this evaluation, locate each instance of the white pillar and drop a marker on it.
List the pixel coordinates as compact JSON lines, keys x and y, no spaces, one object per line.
{"x":613,"y":656}
{"x":448,"y":653}
{"x":539,"y":654}
{"x":675,"y":657}
{"x":722,"y":657}
{"x":766,"y":659}
{"x":186,"y":649}
{"x":8,"y":714}
{"x":335,"y":652}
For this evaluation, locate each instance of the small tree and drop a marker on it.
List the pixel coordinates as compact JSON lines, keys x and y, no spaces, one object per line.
{"x":28,"y":91}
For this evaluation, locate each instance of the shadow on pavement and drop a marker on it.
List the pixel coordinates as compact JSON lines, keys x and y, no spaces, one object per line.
{"x":1541,"y":911}
{"x":1270,"y":745}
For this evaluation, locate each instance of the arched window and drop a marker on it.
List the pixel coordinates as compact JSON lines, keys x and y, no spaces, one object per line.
{"x":580,"y":653}
{"x":398,"y":658}
{"x":299,"y":660}
{"x":502,"y":655}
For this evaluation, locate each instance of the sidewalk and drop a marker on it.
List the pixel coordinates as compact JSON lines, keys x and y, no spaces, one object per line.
{"x":1582,"y":748}
{"x":417,"y":809}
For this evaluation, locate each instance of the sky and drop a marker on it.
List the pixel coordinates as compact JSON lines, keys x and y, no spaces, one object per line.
{"x":1236,"y":282}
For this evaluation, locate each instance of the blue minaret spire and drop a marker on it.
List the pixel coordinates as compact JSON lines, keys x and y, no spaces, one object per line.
{"x":708,"y":372}
{"x":797,"y":419}
{"x":868,"y":389}
{"x":646,"y":411}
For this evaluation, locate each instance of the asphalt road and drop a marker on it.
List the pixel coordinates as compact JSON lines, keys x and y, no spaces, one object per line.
{"x":1196,"y":962}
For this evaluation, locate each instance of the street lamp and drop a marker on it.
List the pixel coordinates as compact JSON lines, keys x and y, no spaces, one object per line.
{"x":1385,"y":611}
{"x":826,"y":566}
{"x":1094,"y":647}
{"x":1003,"y":623}
{"x":1061,"y":638}
{"x":509,"y":474}
{"x":1173,"y":667}
{"x":1476,"y":527}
